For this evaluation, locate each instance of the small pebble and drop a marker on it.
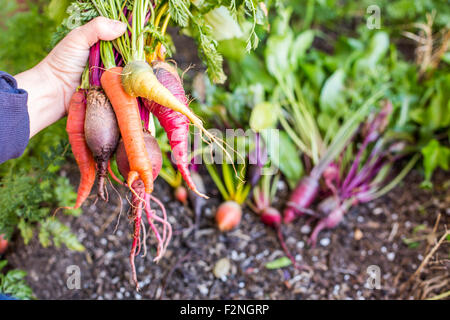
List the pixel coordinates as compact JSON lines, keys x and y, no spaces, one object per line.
{"x":305,"y":229}
{"x":300,"y":245}
{"x":360,"y":219}
{"x":383,"y":249}
{"x":208,"y":212}
{"x":391,"y":256}
{"x":103,"y":241}
{"x":203,"y":289}
{"x":281,"y":185}
{"x":377,"y":211}
{"x":222,"y":268}
{"x":336,"y":289}
{"x":358,"y":235}
{"x":324,"y":242}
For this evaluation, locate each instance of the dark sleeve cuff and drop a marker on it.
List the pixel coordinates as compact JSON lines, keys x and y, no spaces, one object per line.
{"x":14,"y":119}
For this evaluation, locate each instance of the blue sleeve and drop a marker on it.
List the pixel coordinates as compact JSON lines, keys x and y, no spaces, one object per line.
{"x":14,"y":119}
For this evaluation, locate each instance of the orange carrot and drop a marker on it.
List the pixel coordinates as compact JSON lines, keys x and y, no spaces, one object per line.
{"x":83,"y":156}
{"x":128,"y":117}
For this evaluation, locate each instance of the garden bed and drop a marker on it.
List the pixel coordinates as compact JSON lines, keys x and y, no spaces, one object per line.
{"x":339,"y":262}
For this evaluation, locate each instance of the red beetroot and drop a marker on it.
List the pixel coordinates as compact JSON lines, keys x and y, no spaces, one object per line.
{"x":228,"y":215}
{"x":174,"y":123}
{"x":153,"y":150}
{"x":334,"y":212}
{"x":271,"y":217}
{"x":3,"y":244}
{"x":301,"y":198}
{"x":181,"y":194}
{"x":101,"y":132}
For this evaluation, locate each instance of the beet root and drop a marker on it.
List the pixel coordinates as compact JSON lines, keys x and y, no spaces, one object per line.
{"x":3,"y":244}
{"x":330,"y":221}
{"x":228,"y":216}
{"x":153,"y":149}
{"x":102,"y":133}
{"x":301,"y":198}
{"x":271,"y":217}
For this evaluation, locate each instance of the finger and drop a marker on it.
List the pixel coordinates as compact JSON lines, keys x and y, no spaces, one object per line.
{"x":99,"y":28}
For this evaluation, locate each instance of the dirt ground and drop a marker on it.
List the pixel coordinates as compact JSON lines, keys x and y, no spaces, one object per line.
{"x":339,"y":262}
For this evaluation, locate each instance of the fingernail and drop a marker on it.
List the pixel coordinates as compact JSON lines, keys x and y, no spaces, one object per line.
{"x":119,"y":26}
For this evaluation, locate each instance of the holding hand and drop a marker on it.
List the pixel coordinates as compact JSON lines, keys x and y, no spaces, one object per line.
{"x":51,"y":83}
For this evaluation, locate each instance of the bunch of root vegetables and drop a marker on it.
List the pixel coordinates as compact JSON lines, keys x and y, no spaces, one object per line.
{"x":111,"y":115}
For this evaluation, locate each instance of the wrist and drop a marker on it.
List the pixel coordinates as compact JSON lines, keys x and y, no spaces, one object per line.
{"x":45,"y":97}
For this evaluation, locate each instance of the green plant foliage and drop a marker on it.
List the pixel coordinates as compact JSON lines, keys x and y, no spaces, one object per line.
{"x":13,"y":283}
{"x":27,"y":39}
{"x":323,"y":58}
{"x":31,"y":188}
{"x":435,"y":155}
{"x":279,"y":263}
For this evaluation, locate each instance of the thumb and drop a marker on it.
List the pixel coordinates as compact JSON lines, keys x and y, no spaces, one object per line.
{"x":99,"y":28}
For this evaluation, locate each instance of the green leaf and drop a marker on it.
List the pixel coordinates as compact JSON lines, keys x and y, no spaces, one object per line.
{"x":13,"y":283}
{"x":61,"y":234}
{"x":3,"y":264}
{"x":301,"y":43}
{"x":277,"y":53}
{"x":435,"y":155}
{"x":331,"y":96}
{"x":264,"y":116}
{"x":250,"y":71}
{"x":435,"y":113}
{"x":179,"y":10}
{"x":44,"y":237}
{"x":207,"y":48}
{"x":279,"y":263}
{"x":223,"y":25}
{"x":418,"y":228}
{"x":378,"y":47}
{"x":25,"y":230}
{"x":284,"y":155}
{"x":227,"y":175}
{"x":57,"y":10}
{"x":233,"y":49}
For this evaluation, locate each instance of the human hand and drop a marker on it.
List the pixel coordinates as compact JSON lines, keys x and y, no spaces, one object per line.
{"x":52,"y":82}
